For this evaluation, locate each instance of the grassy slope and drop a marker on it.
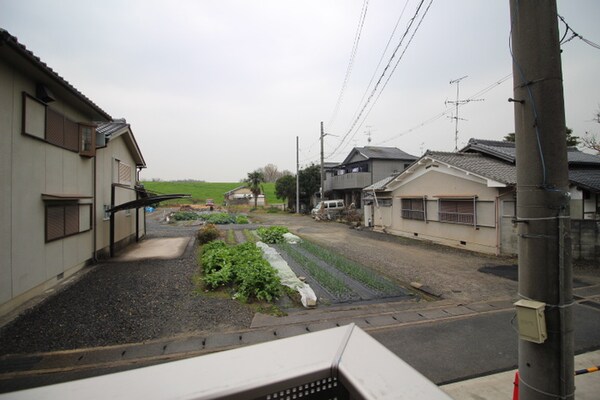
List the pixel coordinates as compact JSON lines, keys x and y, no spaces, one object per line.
{"x":201,"y":191}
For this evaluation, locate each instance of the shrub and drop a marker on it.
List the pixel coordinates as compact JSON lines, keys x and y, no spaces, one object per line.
{"x":218,"y":218}
{"x":242,"y":219}
{"x":185,"y":216}
{"x":207,"y":233}
{"x":272,"y":234}
{"x":242,"y":266}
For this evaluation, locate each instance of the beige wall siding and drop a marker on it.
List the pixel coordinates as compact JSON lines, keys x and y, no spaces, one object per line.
{"x":7,"y":115}
{"x":30,"y":167}
{"x":107,"y":173}
{"x":445,"y":182}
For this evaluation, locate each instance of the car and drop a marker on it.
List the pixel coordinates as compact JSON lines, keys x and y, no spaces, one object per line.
{"x":328,"y":207}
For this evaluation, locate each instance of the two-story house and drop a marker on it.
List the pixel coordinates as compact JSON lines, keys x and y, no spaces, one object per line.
{"x":362,"y":167}
{"x":64,"y":165}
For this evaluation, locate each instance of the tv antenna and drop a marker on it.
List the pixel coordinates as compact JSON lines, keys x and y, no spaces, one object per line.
{"x":458,"y":103}
{"x":368,"y":134}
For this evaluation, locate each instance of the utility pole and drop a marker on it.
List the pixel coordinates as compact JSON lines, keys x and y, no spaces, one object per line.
{"x":546,"y":370}
{"x":458,"y":103}
{"x":322,"y":163}
{"x":297,"y":175}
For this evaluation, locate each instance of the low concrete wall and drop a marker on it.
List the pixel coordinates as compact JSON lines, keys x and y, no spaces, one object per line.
{"x":585,"y":235}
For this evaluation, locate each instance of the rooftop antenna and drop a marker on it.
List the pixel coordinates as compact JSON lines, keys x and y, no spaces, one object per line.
{"x":368,"y":134}
{"x":457,"y":103}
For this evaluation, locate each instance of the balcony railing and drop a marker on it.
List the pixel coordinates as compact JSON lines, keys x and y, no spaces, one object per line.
{"x":342,"y":363}
{"x":352,"y":180}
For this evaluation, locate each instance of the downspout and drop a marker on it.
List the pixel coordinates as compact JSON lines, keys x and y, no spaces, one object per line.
{"x":498,"y":224}
{"x":112,"y":220}
{"x":94,"y":214}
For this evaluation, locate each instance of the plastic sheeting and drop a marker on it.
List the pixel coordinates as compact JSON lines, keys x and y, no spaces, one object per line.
{"x":287,"y":276}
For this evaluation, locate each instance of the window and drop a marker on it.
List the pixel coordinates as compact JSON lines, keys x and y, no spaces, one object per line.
{"x":64,"y":220}
{"x":87,"y":135}
{"x":457,"y":211}
{"x":34,"y":117}
{"x":413,"y":209}
{"x":47,"y":124}
{"x":124,"y":173}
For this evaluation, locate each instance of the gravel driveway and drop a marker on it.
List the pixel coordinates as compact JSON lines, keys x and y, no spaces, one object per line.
{"x":125,"y":302}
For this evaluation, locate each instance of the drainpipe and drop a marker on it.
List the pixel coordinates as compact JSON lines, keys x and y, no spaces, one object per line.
{"x":498,"y":224}
{"x":112,"y":220}
{"x":93,"y":221}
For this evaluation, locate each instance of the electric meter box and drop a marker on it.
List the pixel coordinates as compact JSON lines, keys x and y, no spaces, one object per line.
{"x":531,"y":320}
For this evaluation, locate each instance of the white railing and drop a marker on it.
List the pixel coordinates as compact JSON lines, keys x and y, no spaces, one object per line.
{"x":342,"y":363}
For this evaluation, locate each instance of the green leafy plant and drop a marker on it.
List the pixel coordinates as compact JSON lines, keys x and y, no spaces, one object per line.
{"x":218,"y":218}
{"x":242,"y":267}
{"x":272,"y":234}
{"x":207,"y":233}
{"x":241,"y":219}
{"x":185,"y":216}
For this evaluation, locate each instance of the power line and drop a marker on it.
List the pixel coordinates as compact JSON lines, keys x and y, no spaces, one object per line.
{"x":406,"y":32}
{"x":394,"y":69}
{"x":361,"y":22}
{"x":447,"y":110}
{"x":381,"y":58}
{"x":574,"y":35}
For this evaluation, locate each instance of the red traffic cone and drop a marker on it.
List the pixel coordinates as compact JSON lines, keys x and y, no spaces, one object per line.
{"x":516,"y":386}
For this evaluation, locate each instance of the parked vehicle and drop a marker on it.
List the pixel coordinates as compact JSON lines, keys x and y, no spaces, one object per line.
{"x":328,"y":208}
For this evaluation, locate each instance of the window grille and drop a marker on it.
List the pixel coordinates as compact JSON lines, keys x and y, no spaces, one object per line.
{"x":457,"y":211}
{"x":413,"y":209}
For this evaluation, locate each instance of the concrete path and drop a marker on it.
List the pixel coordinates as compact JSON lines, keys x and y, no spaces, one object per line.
{"x":162,"y":249}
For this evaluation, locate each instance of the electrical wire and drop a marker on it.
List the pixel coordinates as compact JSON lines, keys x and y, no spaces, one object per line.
{"x":574,"y":35}
{"x":448,"y":110}
{"x":381,"y":59}
{"x":359,"y":28}
{"x":394,"y":69}
{"x":410,"y":24}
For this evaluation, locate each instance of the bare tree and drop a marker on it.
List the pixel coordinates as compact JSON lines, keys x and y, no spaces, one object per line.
{"x":591,"y":140}
{"x":271,"y":173}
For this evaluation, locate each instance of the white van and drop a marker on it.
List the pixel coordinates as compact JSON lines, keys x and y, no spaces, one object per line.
{"x":328,"y":207}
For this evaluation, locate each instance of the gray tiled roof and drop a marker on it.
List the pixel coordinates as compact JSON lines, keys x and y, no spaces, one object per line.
{"x":506,"y":151}
{"x":479,"y":164}
{"x":586,"y":178}
{"x":503,"y":150}
{"x":380,"y":153}
{"x":13,"y":42}
{"x":381,"y":185}
{"x":391,"y":153}
{"x":108,"y":128}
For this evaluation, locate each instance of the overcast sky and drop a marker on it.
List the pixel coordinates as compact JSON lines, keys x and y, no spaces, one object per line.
{"x":216,"y":89}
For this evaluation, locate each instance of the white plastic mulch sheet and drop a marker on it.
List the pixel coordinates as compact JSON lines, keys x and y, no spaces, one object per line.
{"x":287,"y":276}
{"x":291,"y":238}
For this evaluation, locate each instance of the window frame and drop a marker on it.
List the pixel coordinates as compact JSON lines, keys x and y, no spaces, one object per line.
{"x":454,"y":217}
{"x":70,"y":136}
{"x":75,"y":225}
{"x":410,"y":213}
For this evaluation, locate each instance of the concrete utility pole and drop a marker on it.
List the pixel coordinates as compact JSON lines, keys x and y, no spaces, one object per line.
{"x":322,"y":163}
{"x":297,"y":175}
{"x":545,"y":272}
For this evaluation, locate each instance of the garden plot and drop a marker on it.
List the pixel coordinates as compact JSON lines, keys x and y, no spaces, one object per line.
{"x":336,"y":279}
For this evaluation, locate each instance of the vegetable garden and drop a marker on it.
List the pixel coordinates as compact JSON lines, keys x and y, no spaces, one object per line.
{"x":236,"y":264}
